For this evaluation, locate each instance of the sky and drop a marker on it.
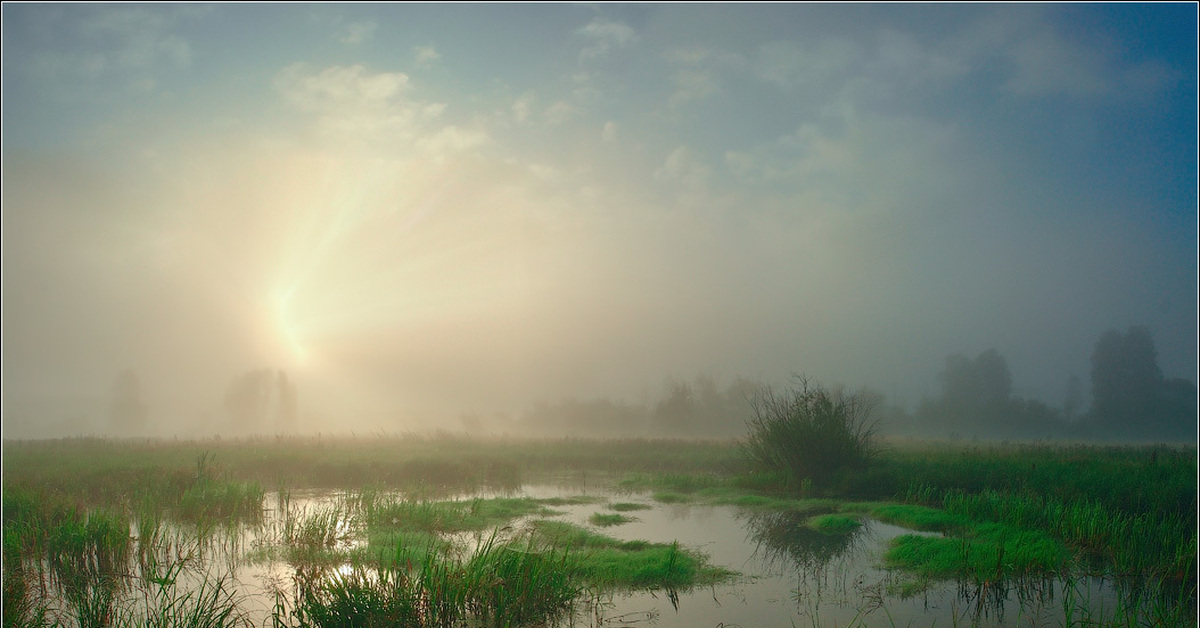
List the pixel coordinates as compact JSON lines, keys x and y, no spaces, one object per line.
{"x":419,"y":211}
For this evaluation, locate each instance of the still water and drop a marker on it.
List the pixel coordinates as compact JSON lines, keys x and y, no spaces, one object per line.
{"x":790,"y":575}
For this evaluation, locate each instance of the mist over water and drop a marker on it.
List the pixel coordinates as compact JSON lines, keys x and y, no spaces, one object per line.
{"x":392,"y":218}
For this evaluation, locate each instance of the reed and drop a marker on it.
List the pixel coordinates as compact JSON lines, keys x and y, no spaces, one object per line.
{"x":501,"y":584}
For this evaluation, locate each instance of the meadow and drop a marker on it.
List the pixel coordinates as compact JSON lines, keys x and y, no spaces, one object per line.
{"x":440,"y":530}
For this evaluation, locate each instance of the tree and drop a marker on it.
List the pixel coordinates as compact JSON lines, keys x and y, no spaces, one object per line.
{"x":1073,"y":400}
{"x":676,"y":410}
{"x":1130,"y":395}
{"x":127,"y":411}
{"x":259,"y":396}
{"x":1125,"y":375}
{"x":976,"y":390}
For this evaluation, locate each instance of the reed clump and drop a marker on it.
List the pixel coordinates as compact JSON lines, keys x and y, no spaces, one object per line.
{"x":810,"y":433}
{"x":501,"y":584}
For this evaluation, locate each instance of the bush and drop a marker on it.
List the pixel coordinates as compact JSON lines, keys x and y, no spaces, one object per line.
{"x":809,"y":433}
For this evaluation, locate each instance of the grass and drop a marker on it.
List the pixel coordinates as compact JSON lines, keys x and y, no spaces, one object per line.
{"x":1127,"y":513}
{"x":628,"y":506}
{"x":501,"y":584}
{"x":834,"y":524}
{"x":989,"y":552}
{"x":606,"y":563}
{"x":451,"y":516}
{"x":606,"y":520}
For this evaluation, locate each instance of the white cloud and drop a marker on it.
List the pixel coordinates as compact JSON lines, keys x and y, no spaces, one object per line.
{"x":358,"y":32}
{"x":426,"y":56}
{"x":692,"y":85}
{"x":609,"y":134}
{"x":788,"y":65}
{"x":450,"y":140}
{"x":352,"y":102}
{"x":902,"y":57}
{"x":522,"y":106}
{"x":683,"y":168}
{"x":604,"y":36}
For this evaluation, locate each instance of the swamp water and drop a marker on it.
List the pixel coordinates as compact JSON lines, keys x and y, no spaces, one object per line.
{"x":788,"y":573}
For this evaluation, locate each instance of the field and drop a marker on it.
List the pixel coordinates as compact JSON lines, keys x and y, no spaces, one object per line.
{"x":445,"y":530}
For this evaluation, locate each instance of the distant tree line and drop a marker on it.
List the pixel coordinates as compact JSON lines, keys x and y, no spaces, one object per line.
{"x":686,"y":409}
{"x":257,"y":400}
{"x":1131,"y":399}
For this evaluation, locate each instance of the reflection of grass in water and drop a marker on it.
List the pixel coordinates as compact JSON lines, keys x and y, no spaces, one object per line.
{"x":605,"y":520}
{"x":502,"y":584}
{"x":667,"y":497}
{"x":607,"y":563}
{"x":450,"y":516}
{"x":628,"y":506}
{"x":210,"y":499}
{"x":88,"y":554}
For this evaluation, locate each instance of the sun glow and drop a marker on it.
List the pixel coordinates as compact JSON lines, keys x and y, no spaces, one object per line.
{"x":287,"y":329}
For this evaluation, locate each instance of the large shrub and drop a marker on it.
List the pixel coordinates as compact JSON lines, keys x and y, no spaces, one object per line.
{"x":808,"y":432}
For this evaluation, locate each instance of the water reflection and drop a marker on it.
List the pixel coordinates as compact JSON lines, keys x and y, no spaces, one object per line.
{"x":784,"y":542}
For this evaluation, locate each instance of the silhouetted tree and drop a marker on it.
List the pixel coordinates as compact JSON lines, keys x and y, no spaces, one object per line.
{"x":977,"y":400}
{"x":259,"y":396}
{"x":982,"y":384}
{"x":127,"y":410}
{"x":675,"y":411}
{"x":287,"y":405}
{"x":1073,"y":400}
{"x":1130,"y":396}
{"x":1125,"y":376}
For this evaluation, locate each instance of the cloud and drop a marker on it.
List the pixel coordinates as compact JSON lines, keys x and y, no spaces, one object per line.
{"x":690,"y":86}
{"x":119,"y":47}
{"x":687,"y":173}
{"x":788,"y":65}
{"x":1044,"y":63}
{"x":522,"y":106}
{"x":357,"y":33}
{"x":426,"y":56}
{"x":451,"y":140}
{"x":904,"y":58}
{"x":1036,"y":59}
{"x":351,"y":102}
{"x":608,"y":134}
{"x":604,"y":36}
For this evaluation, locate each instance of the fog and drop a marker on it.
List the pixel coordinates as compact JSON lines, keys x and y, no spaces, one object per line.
{"x":438,"y":217}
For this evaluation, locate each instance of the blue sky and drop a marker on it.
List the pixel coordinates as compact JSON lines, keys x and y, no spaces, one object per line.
{"x":422,"y":210}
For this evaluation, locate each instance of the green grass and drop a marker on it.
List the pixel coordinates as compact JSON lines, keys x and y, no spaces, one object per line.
{"x":451,"y":516}
{"x":668,"y":497}
{"x":989,"y":552}
{"x":916,"y":517}
{"x":834,"y":524}
{"x":605,"y":520}
{"x":607,"y":563}
{"x":628,"y":506}
{"x":501,"y":584}
{"x":1122,"y":512}
{"x":209,"y":499}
